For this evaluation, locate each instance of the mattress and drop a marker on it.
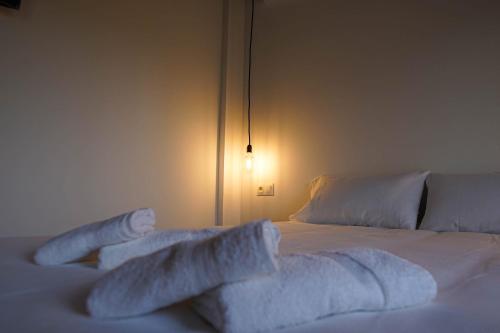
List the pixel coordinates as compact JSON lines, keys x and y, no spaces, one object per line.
{"x":466,"y":267}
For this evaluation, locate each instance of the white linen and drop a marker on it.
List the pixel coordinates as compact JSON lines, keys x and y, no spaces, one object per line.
{"x":466,"y":267}
{"x":311,"y":286}
{"x":80,"y":242}
{"x":463,"y":203}
{"x":113,"y":256}
{"x":384,"y":201}
{"x":184,"y":270}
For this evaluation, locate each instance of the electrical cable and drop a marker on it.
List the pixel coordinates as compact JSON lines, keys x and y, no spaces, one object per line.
{"x":249,"y":82}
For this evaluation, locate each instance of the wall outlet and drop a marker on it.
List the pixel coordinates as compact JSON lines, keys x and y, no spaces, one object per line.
{"x":265,"y":190}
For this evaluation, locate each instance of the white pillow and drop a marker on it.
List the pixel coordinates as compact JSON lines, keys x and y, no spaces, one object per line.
{"x":463,"y":203}
{"x":387,"y":201}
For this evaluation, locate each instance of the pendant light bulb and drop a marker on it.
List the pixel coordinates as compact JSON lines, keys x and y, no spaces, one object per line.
{"x":249,"y":158}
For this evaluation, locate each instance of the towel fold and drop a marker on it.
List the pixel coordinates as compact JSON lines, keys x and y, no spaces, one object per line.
{"x":114,"y":255}
{"x":310,"y":286}
{"x":186,"y":269}
{"x":79,"y":242}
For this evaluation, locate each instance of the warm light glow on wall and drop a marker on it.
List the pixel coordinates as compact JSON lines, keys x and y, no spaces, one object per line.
{"x":264,"y":166}
{"x":260,"y":165}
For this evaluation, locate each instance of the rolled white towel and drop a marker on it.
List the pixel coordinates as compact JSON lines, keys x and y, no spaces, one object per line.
{"x":114,"y":255}
{"x":184,"y":270}
{"x":311,"y":286}
{"x":78,"y":243}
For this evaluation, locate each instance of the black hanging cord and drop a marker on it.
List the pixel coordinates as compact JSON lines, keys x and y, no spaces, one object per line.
{"x":249,"y":90}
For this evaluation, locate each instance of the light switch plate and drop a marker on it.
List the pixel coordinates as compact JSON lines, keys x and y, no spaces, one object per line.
{"x":265,"y":190}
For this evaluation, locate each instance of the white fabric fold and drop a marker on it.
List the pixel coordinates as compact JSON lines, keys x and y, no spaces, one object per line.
{"x":184,"y":270}
{"x":80,"y":242}
{"x":114,"y":255}
{"x":311,"y":286}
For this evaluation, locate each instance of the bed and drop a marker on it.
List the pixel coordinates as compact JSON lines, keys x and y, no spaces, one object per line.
{"x":465,"y":265}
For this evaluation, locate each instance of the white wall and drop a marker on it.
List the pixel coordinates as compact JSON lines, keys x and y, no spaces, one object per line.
{"x":106,"y":106}
{"x":370,"y":87}
{"x":232,"y":112}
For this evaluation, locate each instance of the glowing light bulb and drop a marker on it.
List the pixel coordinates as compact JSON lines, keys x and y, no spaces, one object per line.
{"x":249,"y":160}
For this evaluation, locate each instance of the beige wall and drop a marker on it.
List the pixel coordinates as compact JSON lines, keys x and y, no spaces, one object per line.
{"x":106,"y":106}
{"x":368,"y":87}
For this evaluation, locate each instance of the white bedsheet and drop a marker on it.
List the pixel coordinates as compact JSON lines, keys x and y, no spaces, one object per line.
{"x":466,"y":267}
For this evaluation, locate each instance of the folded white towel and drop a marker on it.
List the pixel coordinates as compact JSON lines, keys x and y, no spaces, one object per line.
{"x":310,"y":286}
{"x":114,"y":255}
{"x":186,"y":269}
{"x":79,"y":242}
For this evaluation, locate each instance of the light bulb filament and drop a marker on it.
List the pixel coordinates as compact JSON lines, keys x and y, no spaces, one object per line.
{"x":249,"y":161}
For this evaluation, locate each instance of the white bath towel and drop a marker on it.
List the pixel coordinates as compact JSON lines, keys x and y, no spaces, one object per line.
{"x":79,"y":242}
{"x":310,"y":286}
{"x":184,"y":270}
{"x":114,"y":255}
